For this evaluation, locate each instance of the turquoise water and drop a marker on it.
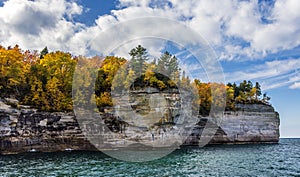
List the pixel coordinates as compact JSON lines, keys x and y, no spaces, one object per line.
{"x":281,"y":159}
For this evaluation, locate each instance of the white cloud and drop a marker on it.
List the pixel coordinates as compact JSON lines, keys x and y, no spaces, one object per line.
{"x":219,"y":21}
{"x":272,"y":74}
{"x":282,"y":33}
{"x":35,"y":24}
{"x":244,"y":20}
{"x":234,"y":28}
{"x":126,"y":3}
{"x":150,"y":44}
{"x":296,"y":85}
{"x":216,"y":21}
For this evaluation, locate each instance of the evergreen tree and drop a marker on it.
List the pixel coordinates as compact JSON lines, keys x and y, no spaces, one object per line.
{"x":258,"y":90}
{"x":168,"y":65}
{"x":139,"y":56}
{"x":236,"y":90}
{"x":44,"y":52}
{"x":266,"y":98}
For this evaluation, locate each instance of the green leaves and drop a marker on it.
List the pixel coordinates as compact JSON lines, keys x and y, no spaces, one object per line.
{"x":44,"y":80}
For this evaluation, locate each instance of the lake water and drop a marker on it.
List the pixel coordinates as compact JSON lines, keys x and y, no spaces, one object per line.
{"x":281,"y":159}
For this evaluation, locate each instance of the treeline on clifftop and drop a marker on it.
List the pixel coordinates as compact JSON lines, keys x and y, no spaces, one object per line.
{"x":44,"y":79}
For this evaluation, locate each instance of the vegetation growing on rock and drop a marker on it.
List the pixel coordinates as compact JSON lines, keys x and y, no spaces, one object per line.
{"x":44,"y":80}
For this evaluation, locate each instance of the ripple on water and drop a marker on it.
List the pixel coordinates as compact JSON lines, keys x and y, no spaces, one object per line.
{"x":224,"y":160}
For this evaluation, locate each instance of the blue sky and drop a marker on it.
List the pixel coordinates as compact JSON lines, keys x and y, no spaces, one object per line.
{"x":252,"y":40}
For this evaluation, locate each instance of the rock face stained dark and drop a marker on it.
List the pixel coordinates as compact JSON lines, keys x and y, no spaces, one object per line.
{"x":25,"y":129}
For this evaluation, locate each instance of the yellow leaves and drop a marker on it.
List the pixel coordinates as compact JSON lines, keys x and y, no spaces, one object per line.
{"x":171,"y":83}
{"x":37,"y":96}
{"x":229,"y":93}
{"x":13,"y":70}
{"x":57,"y":99}
{"x":242,"y":97}
{"x":161,"y":85}
{"x":148,"y":74}
{"x":112,"y":64}
{"x":253,"y":93}
{"x":104,"y":100}
{"x":129,"y":79}
{"x":13,"y":81}
{"x":58,"y":69}
{"x":50,"y":79}
{"x":58,"y":64}
{"x":47,"y":83}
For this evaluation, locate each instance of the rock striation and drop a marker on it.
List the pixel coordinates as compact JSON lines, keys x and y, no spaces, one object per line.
{"x":250,"y":123}
{"x":23,"y":129}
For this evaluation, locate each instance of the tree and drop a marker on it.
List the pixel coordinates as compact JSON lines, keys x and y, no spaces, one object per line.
{"x":150,"y":77}
{"x":139,"y":56}
{"x":44,"y":52}
{"x":249,"y":86}
{"x":245,"y":86}
{"x":44,"y":80}
{"x":258,"y":90}
{"x":185,"y":81}
{"x":236,"y":90}
{"x":266,"y":98}
{"x":13,"y":72}
{"x":168,"y":65}
{"x":56,"y":73}
{"x":252,"y":95}
{"x":129,"y":81}
{"x":104,"y":100}
{"x":83,"y":80}
{"x":229,"y":97}
{"x":242,"y":97}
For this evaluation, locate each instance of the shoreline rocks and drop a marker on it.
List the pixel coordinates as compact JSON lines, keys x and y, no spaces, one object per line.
{"x":27,"y":130}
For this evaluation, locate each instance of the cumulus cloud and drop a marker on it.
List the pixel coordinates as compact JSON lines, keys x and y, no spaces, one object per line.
{"x":237,"y":30}
{"x":280,"y":34}
{"x":218,"y":22}
{"x":35,"y":24}
{"x":262,"y":28}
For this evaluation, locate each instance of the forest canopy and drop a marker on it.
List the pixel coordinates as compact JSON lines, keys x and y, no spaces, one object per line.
{"x":44,"y":79}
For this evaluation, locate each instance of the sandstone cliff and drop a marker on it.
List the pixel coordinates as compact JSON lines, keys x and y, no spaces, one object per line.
{"x":250,"y":123}
{"x":23,"y":129}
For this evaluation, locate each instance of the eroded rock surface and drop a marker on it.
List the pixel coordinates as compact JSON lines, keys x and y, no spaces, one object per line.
{"x":24,"y":129}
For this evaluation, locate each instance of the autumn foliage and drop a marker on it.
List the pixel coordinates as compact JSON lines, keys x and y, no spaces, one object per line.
{"x":44,"y":79}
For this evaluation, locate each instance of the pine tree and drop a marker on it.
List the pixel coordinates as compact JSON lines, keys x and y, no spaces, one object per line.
{"x":258,"y":90}
{"x":139,"y":56}
{"x":168,"y":65}
{"x":44,"y":52}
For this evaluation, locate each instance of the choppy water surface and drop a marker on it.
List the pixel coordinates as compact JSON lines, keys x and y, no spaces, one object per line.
{"x":282,"y":159}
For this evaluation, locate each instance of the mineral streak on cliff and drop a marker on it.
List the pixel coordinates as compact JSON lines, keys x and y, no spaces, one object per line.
{"x":23,"y":129}
{"x":250,"y":123}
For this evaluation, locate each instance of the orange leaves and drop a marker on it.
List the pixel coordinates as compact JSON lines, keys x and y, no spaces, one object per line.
{"x":46,"y":83}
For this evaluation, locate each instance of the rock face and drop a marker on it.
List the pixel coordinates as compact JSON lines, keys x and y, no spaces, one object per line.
{"x":251,"y":123}
{"x":23,"y":129}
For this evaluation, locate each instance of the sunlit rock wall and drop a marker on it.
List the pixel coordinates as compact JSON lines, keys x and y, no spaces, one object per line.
{"x":250,"y":123}
{"x":23,"y":129}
